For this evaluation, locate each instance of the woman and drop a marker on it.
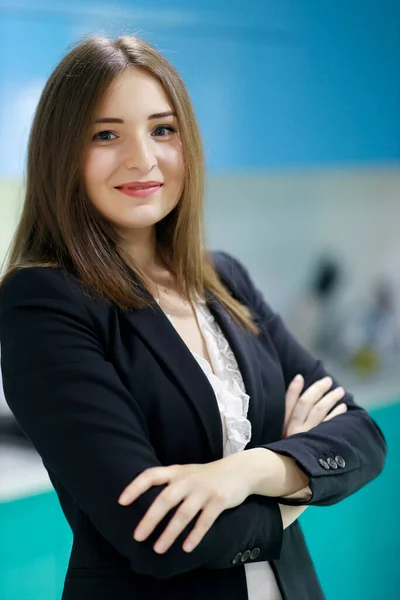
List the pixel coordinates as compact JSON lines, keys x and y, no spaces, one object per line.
{"x":137,"y":361}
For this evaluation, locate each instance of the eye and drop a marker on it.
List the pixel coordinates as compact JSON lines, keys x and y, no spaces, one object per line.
{"x":163,"y":131}
{"x":104,"y":136}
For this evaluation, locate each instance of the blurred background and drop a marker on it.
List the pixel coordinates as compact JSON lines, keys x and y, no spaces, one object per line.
{"x":299,"y":107}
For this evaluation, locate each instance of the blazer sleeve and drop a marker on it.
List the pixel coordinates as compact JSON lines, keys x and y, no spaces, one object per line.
{"x":88,"y":429}
{"x":353,"y":437}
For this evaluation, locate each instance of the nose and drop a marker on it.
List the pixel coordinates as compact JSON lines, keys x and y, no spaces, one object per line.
{"x":140,"y":155}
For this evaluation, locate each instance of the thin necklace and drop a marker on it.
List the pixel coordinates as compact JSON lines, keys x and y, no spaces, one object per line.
{"x":162,"y":289}
{"x":169,"y":293}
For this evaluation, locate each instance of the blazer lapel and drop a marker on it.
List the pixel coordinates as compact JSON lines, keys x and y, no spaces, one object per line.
{"x":157,"y":331}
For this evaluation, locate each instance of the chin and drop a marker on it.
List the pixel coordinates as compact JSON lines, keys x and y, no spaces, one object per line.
{"x":142,"y":222}
{"x":141,"y":216}
{"x":146,"y":216}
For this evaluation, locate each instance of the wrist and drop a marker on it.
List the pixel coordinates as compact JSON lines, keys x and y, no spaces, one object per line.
{"x":272,"y":474}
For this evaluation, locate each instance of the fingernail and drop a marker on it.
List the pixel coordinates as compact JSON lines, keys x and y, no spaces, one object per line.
{"x":298,"y":378}
{"x":188,"y":546}
{"x":139,"y":534}
{"x":123,"y":499}
{"x":160,"y":547}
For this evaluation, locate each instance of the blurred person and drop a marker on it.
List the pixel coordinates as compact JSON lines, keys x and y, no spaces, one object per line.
{"x":183,"y":427}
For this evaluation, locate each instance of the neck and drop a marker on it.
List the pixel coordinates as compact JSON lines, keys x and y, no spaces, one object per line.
{"x":142,"y":248}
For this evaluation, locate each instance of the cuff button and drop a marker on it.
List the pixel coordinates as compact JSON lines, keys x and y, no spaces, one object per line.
{"x":332,"y":463}
{"x":323,"y":464}
{"x":237,"y":558}
{"x":255,"y":553}
{"x":340,"y":461}
{"x":246,"y":555}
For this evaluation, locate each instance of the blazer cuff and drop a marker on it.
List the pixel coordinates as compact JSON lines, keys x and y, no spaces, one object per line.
{"x":323,"y":467}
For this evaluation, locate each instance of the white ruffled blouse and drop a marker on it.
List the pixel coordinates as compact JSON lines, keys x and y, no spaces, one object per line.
{"x":233,"y":403}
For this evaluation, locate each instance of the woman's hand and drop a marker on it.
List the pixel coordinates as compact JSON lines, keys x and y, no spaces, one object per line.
{"x":302,"y":412}
{"x":206,"y":490}
{"x":210,"y":488}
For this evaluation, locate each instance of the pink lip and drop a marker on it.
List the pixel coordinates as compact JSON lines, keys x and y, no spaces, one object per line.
{"x":140,"y":190}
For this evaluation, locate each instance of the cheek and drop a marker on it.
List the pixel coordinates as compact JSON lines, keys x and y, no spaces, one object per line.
{"x":171,"y":159}
{"x":98,"y":166}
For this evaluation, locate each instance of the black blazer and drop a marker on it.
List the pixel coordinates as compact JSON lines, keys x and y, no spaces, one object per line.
{"x":104,"y":394}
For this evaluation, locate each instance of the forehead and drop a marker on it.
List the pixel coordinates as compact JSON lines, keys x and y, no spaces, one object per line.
{"x":134,"y":92}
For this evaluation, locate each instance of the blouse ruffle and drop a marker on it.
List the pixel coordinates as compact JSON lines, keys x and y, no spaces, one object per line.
{"x":226,"y":381}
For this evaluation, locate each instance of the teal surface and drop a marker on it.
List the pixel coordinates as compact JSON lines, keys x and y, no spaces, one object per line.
{"x":355,"y":544}
{"x":34,"y":550}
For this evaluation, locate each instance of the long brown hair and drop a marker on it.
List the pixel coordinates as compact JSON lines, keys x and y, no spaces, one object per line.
{"x":60,"y":227}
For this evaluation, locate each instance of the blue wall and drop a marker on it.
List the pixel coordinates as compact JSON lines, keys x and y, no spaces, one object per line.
{"x":274,"y":84}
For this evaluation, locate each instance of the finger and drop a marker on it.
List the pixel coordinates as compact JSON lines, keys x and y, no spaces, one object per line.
{"x":292,"y":395}
{"x":144,"y":481}
{"x":323,"y":407}
{"x":186,"y":513}
{"x":339,"y":410}
{"x":170,"y":497}
{"x":205,"y":521}
{"x":313,"y":394}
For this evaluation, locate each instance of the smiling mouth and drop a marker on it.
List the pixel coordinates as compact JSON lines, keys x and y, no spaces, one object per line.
{"x":138,"y":187}
{"x":139,"y":191}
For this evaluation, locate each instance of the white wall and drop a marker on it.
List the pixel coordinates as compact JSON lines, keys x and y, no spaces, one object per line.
{"x":279,"y":223}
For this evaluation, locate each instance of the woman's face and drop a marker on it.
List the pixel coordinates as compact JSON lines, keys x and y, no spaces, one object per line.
{"x":133,"y":172}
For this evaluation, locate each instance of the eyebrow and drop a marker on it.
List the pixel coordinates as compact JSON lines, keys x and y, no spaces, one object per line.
{"x":161,"y":115}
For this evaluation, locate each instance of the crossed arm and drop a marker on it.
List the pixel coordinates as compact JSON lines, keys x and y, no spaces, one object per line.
{"x":91,"y":434}
{"x":207,"y":490}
